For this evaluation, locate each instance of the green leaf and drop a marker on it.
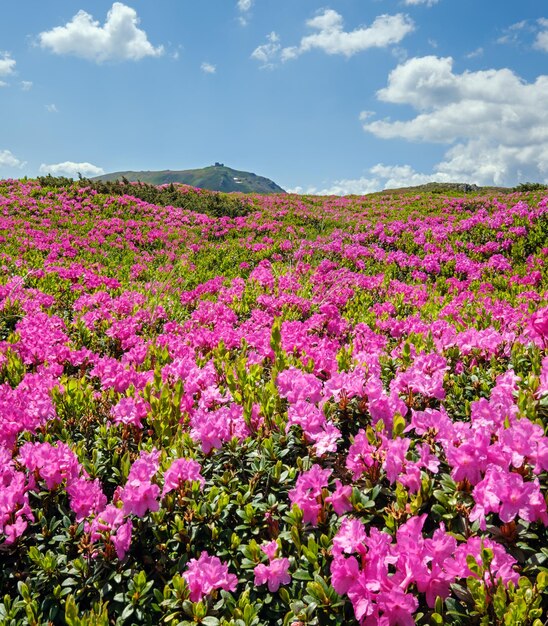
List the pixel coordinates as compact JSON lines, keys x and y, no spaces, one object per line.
{"x":71,"y":612}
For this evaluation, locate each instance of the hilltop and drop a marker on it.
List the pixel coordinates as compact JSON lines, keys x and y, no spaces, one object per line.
{"x":216,"y":177}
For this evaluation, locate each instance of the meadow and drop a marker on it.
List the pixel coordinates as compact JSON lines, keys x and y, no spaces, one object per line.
{"x":298,"y":410}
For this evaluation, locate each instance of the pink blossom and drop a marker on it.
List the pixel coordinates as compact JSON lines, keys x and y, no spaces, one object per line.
{"x":182,"y":470}
{"x":207,"y":573}
{"x":340,"y":498}
{"x":296,"y":385}
{"x":350,"y":537}
{"x":139,"y":494}
{"x":15,"y":512}
{"x":397,"y":607}
{"x":53,"y":463}
{"x":308,"y":491}
{"x":86,"y":497}
{"x":539,"y":322}
{"x":270,"y":548}
{"x":276,"y":573}
{"x":110,"y":525}
{"x":360,"y":455}
{"x":345,"y":573}
{"x":130,"y":410}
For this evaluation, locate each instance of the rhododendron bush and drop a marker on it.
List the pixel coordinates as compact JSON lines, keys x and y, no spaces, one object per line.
{"x":322,"y":410}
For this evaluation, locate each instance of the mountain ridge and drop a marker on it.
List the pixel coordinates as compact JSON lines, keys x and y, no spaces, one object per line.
{"x":216,"y":177}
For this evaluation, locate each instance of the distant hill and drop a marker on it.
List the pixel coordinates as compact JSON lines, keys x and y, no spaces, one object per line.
{"x":458,"y":188}
{"x":215,"y":178}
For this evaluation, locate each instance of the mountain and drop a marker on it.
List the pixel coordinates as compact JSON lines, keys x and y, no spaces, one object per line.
{"x":217,"y":177}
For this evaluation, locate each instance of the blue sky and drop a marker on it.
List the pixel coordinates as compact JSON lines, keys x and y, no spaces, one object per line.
{"x":348,"y":96}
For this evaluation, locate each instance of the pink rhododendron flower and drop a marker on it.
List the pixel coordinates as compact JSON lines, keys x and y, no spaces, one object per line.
{"x":340,"y":498}
{"x":397,"y":607}
{"x":345,"y":573}
{"x":86,"y":497}
{"x":213,"y":428}
{"x":307,"y":493}
{"x":270,"y":548}
{"x":275,"y":574}
{"x":501,"y":566}
{"x":130,"y":410}
{"x":295,"y":385}
{"x":182,"y":470}
{"x":15,"y":512}
{"x":539,"y":323}
{"x":54,"y":464}
{"x":207,"y":573}
{"x":350,"y":537}
{"x":111,"y":525}
{"x":139,"y":494}
{"x":507,"y":494}
{"x":360,"y":455}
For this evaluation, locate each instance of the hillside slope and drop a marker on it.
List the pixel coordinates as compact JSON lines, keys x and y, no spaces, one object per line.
{"x":214,"y":178}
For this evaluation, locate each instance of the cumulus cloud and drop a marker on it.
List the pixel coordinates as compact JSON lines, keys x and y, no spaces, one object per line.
{"x":331,"y":37}
{"x":381,"y":177}
{"x":26,"y":85}
{"x":52,"y":108}
{"x":541,"y":41}
{"x":268,"y":53}
{"x":8,"y":159}
{"x":7,"y":64}
{"x":343,"y":187}
{"x":119,"y":39}
{"x":71,"y":169}
{"x":396,"y":176}
{"x":208,"y":68}
{"x":495,"y":123}
{"x":3,"y":83}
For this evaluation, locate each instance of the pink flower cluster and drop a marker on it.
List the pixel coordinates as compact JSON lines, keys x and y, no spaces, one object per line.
{"x":206,"y":574}
{"x":379,"y":575}
{"x":181,"y":471}
{"x":276,"y":573}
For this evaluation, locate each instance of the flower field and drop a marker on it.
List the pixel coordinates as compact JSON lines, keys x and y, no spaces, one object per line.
{"x":306,"y":411}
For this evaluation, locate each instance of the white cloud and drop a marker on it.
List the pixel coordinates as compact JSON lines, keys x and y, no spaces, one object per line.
{"x":333,"y":39}
{"x":7,"y":64}
{"x":245,"y":5}
{"x":26,"y":85}
{"x":8,"y":159}
{"x":428,"y":3}
{"x":3,"y":83}
{"x":383,"y":177}
{"x":344,"y":187}
{"x":208,"y":68}
{"x":541,"y":41}
{"x":478,"y":52}
{"x":120,"y":39}
{"x":512,"y":34}
{"x":495,"y":123}
{"x":71,"y":169}
{"x":395,"y":176}
{"x":267,"y":54}
{"x":51,"y":108}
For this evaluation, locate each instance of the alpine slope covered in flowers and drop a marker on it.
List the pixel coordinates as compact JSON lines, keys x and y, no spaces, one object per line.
{"x":321,"y":410}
